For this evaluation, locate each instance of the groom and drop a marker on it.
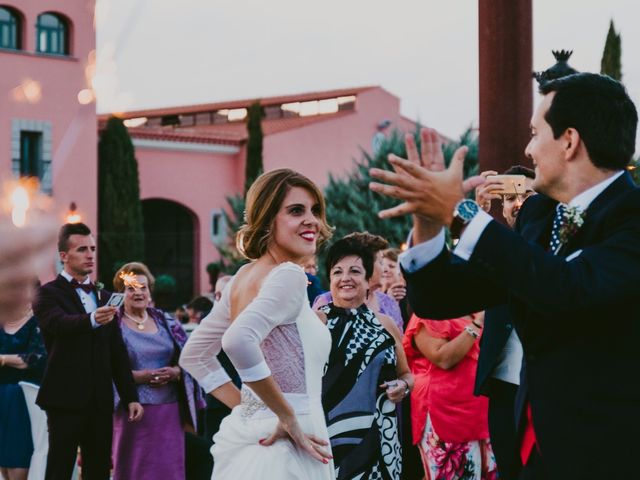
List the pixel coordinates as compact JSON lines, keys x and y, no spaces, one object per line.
{"x":569,"y":275}
{"x":86,"y":354}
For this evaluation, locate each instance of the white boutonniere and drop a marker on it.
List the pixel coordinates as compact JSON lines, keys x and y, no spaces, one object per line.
{"x":572,"y":221}
{"x":99,"y":287}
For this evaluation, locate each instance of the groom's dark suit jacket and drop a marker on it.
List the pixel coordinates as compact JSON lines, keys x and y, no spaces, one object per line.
{"x":578,"y":320}
{"x":83,"y":361}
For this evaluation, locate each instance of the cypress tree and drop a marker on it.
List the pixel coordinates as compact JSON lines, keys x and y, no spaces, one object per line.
{"x":611,"y":63}
{"x":120,"y":223}
{"x":253,"y":168}
{"x":231,"y":259}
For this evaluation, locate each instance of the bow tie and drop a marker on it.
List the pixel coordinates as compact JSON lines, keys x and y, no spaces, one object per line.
{"x":87,"y":287}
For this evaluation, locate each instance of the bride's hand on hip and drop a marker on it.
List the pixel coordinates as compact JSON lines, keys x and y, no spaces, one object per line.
{"x":310,"y":443}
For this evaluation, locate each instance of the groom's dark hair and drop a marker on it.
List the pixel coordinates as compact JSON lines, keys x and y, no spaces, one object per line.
{"x":599,"y":108}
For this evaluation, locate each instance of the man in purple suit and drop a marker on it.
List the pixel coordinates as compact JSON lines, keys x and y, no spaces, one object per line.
{"x":86,"y":356}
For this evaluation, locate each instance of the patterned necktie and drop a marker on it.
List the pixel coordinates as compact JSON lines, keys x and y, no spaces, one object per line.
{"x":87,"y":287}
{"x":558,"y":221}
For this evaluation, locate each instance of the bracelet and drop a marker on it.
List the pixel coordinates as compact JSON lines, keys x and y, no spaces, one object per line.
{"x":476,"y":325}
{"x":472,"y":332}
{"x":407,"y":390}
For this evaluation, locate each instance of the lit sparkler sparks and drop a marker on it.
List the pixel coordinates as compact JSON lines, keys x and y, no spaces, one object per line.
{"x":20,"y":205}
{"x":130,"y":279}
{"x":19,"y":197}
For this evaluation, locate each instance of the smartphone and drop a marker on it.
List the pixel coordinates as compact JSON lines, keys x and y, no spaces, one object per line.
{"x":391,"y":384}
{"x":115,"y":300}
{"x":510,"y":184}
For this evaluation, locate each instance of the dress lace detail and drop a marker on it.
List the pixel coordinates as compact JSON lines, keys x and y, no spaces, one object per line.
{"x":249,"y":404}
{"x":284,"y":355}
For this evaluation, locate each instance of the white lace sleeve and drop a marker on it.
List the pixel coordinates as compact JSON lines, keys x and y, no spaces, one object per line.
{"x":198,"y":356}
{"x":278,"y":302}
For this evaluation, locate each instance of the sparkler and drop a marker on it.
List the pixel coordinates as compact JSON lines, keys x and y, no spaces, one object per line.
{"x":130,"y":279}
{"x":20,"y":201}
{"x":19,"y":197}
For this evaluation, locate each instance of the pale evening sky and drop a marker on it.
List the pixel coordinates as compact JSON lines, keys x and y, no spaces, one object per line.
{"x":155,"y":53}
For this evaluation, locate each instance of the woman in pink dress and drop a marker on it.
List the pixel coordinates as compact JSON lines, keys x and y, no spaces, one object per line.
{"x":449,"y":423}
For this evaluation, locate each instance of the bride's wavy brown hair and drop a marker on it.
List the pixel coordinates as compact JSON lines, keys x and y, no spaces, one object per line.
{"x":263,"y":202}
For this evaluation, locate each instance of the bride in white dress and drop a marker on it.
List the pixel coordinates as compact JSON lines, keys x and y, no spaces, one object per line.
{"x":263,"y":322}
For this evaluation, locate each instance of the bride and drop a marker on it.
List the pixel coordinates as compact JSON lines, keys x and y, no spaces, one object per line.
{"x":263,"y":322}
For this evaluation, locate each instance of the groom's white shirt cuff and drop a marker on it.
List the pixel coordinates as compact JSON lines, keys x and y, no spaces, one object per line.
{"x":424,"y":253}
{"x":471,"y":235}
{"x":420,"y":255}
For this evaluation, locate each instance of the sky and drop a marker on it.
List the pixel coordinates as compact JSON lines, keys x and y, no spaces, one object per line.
{"x":157,"y":53}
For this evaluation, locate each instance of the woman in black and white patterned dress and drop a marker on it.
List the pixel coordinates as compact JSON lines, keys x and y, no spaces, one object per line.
{"x":367,"y":372}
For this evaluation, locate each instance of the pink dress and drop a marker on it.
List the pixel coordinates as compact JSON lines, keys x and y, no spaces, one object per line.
{"x":457,"y":415}
{"x":449,"y":423}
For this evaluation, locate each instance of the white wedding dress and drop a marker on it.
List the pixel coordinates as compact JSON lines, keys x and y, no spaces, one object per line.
{"x":276,"y":334}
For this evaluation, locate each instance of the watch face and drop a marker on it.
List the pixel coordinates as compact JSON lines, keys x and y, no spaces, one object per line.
{"x":467,"y":209}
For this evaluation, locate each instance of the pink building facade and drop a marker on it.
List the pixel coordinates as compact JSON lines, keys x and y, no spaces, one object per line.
{"x":192,"y":158}
{"x":47,"y":113}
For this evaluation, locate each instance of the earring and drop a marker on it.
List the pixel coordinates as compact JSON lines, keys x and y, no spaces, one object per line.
{"x":366,"y":297}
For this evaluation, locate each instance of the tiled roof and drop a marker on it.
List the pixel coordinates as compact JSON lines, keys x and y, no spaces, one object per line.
{"x":174,"y":135}
{"x":270,"y":126}
{"x":232,"y":104}
{"x":233,"y":133}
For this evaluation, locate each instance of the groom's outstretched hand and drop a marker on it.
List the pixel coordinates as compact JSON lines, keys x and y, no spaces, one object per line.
{"x":428,"y":191}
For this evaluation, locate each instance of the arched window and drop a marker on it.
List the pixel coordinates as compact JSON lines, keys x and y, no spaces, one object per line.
{"x":53,"y":34}
{"x":9,"y":29}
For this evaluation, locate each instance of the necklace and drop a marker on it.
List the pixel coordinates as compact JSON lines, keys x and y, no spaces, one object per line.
{"x":139,"y":323}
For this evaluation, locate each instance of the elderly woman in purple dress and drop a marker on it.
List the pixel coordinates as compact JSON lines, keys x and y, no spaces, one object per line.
{"x":154,"y":340}
{"x":378,"y":301}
